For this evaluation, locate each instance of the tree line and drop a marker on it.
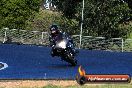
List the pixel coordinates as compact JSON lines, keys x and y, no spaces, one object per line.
{"x":108,"y":18}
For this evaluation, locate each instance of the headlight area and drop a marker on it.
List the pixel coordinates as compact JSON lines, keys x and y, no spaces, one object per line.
{"x":62,"y":44}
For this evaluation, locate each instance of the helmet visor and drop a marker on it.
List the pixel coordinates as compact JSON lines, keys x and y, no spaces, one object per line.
{"x":53,"y":31}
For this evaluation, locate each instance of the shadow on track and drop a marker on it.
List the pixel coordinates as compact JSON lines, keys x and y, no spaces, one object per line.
{"x":61,"y":66}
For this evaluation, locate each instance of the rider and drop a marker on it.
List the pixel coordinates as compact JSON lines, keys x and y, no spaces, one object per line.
{"x":55,"y":32}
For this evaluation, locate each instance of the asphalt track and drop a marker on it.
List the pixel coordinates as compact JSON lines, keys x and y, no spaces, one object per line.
{"x":35,"y":62}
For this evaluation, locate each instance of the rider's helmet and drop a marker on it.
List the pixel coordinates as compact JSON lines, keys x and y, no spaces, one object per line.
{"x":54,"y":29}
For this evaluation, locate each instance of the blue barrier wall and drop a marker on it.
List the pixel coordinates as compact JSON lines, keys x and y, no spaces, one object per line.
{"x":35,"y":62}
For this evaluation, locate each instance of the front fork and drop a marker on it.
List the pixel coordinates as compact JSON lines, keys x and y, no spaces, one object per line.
{"x":68,"y":52}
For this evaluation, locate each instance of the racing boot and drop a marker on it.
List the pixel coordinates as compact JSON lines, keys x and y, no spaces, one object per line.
{"x":53,"y":53}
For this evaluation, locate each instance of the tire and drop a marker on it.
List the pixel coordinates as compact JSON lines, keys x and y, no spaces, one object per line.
{"x":72,"y":59}
{"x":74,"y":63}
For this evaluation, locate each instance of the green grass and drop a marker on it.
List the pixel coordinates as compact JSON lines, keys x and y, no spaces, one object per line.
{"x":86,"y":86}
{"x":52,"y":86}
{"x":95,"y":86}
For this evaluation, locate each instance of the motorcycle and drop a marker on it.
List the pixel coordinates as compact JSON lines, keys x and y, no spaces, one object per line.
{"x":63,"y":49}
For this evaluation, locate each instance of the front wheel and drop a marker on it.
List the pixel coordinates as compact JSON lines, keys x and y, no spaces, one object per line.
{"x":72,"y":59}
{"x":74,"y":62}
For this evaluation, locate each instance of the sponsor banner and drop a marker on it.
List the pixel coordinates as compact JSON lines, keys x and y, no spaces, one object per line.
{"x":83,"y":78}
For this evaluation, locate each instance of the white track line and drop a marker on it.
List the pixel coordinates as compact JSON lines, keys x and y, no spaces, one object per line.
{"x":5,"y":65}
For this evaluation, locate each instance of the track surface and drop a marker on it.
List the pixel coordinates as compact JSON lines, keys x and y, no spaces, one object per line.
{"x":35,"y":62}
